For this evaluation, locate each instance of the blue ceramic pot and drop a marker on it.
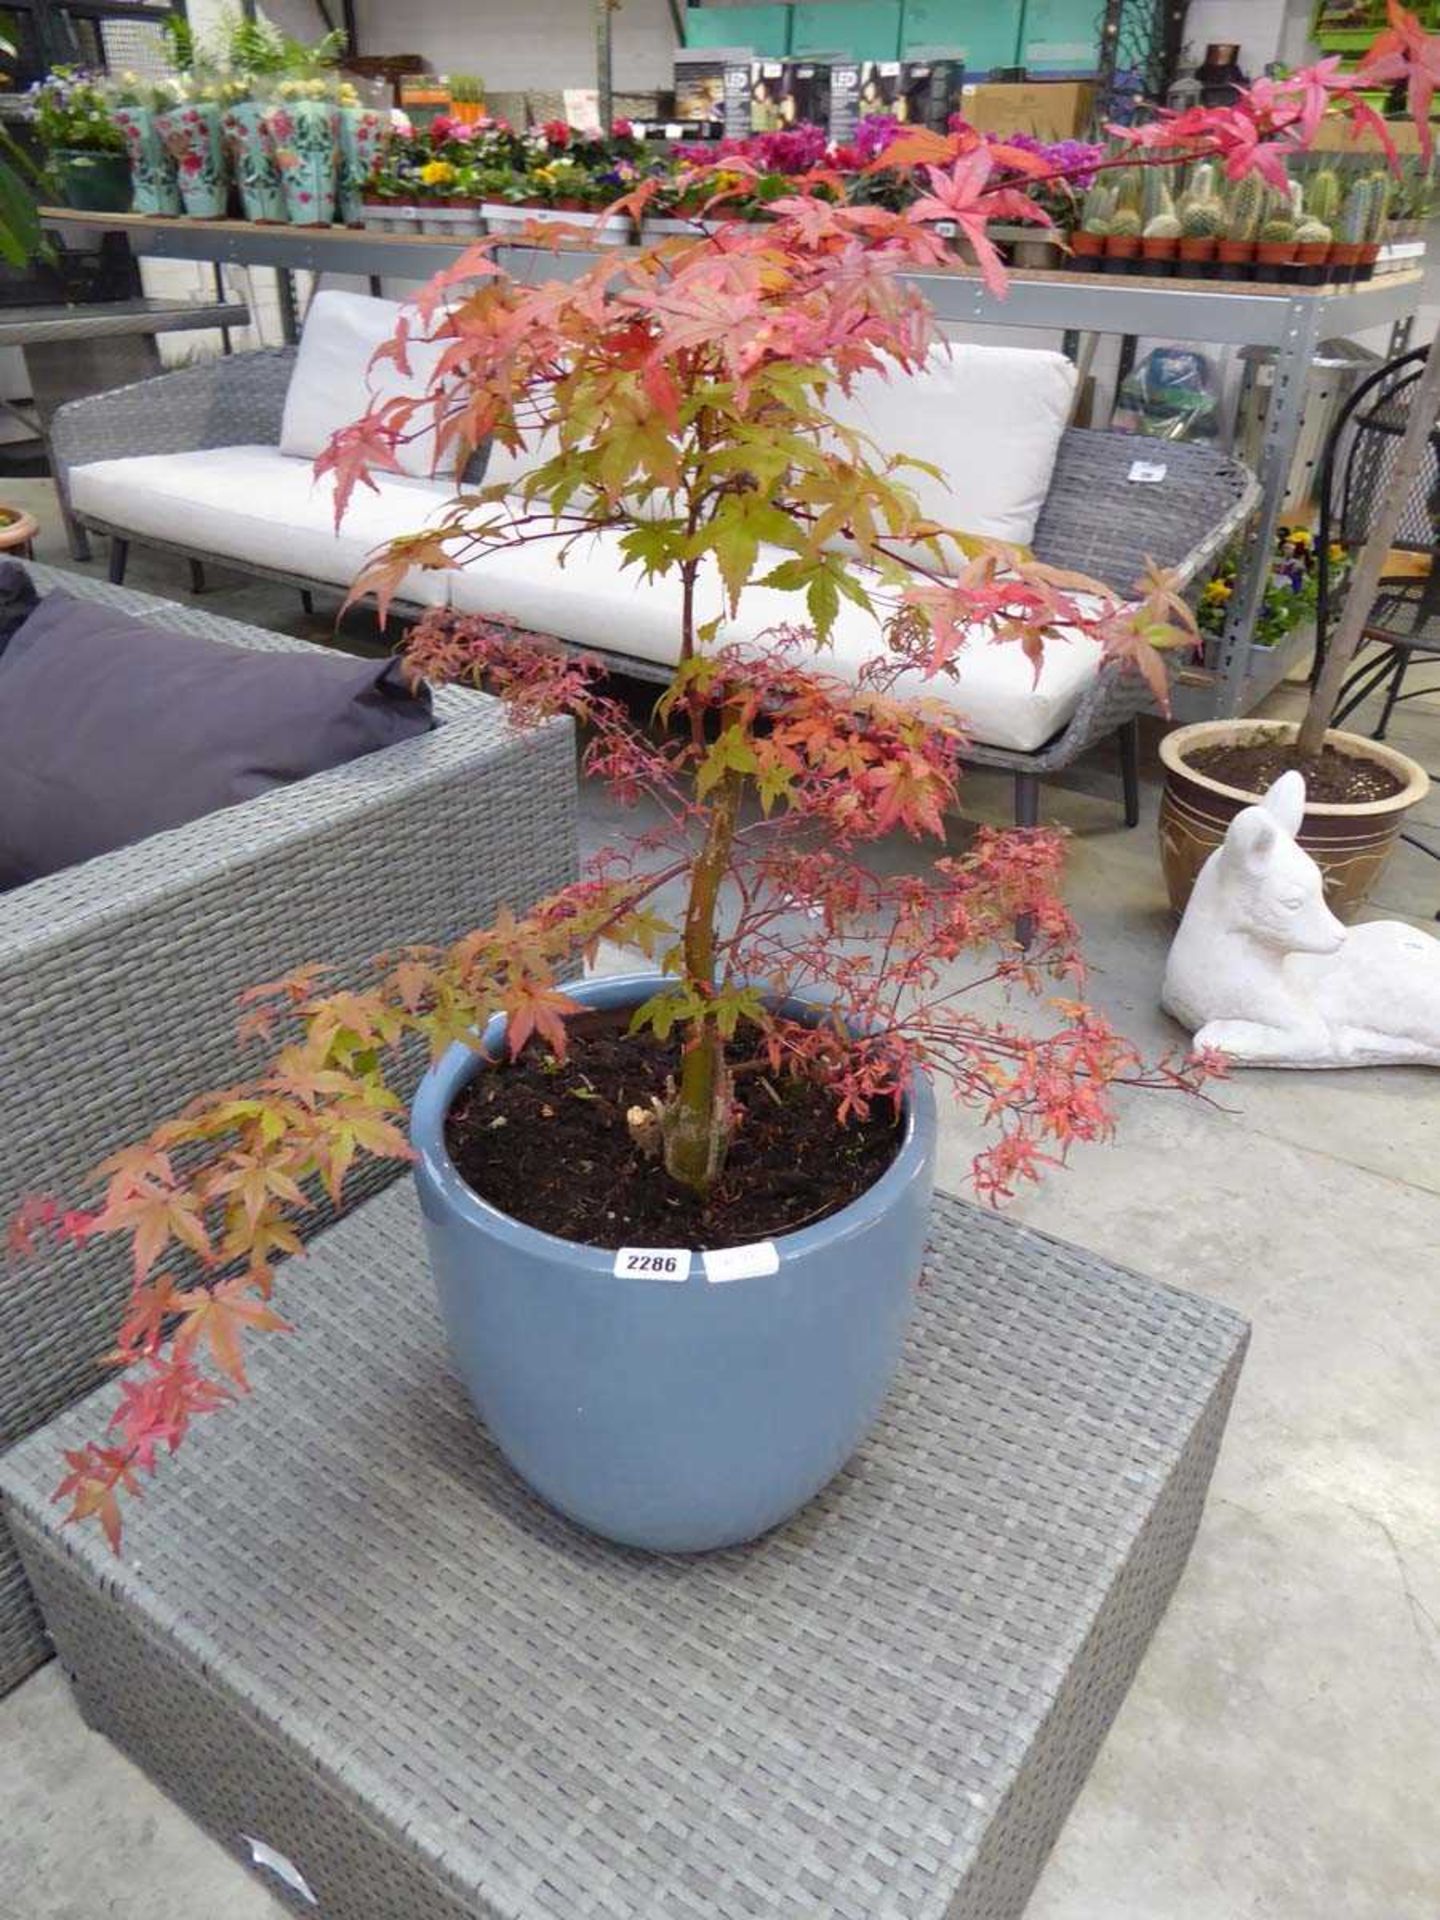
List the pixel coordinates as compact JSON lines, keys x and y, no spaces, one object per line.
{"x":675,"y":1415}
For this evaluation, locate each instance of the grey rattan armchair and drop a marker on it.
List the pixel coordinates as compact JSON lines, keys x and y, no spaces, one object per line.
{"x":1096,"y":519}
{"x":119,"y":978}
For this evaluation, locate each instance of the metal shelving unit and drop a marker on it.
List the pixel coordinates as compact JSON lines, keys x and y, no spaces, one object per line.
{"x":1291,"y":320}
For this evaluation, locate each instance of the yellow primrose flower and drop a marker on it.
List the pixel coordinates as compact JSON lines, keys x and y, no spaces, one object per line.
{"x":437,"y":173}
{"x":1335,"y":552}
{"x":1302,"y":537}
{"x":1218,"y":591}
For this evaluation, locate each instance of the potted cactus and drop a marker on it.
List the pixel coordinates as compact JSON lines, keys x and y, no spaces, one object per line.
{"x":1202,"y":219}
{"x":1122,"y":243}
{"x":1382,"y":190}
{"x":1314,"y":231}
{"x":1352,"y":230}
{"x":1275,"y":242}
{"x":1236,"y":248}
{"x":1087,"y":242}
{"x":1160,"y":234}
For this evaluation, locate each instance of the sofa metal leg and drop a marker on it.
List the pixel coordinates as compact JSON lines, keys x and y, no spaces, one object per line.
{"x":197,"y":576}
{"x":1027,"y":814}
{"x":1129,"y":741}
{"x":119,"y":554}
{"x":307,"y":600}
{"x":1027,"y":799}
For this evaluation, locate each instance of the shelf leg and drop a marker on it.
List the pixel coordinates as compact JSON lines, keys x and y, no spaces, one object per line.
{"x":1294,"y":353}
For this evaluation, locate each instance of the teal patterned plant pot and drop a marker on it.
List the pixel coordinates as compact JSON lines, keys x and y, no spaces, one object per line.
{"x":262,"y":195}
{"x":191,"y":134}
{"x":364,"y":135}
{"x":152,"y":168}
{"x":301,"y":136}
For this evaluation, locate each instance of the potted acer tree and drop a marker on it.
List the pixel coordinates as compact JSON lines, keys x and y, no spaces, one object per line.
{"x":675,"y":1218}
{"x":678,"y":1303}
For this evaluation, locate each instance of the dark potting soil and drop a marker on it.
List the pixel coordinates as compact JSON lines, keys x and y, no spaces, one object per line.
{"x":1336,"y":778}
{"x":546,"y":1142}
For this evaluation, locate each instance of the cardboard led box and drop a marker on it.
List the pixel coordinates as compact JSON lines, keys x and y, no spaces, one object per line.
{"x":1049,"y":109}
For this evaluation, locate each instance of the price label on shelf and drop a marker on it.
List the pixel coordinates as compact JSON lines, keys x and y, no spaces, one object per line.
{"x":653,"y":1263}
{"x":1148,"y":472}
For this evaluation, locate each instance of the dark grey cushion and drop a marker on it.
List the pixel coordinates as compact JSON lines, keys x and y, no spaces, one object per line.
{"x":112,"y":729}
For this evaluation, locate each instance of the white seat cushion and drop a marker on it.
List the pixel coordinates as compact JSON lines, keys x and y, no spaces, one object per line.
{"x":594,"y":601}
{"x":989,"y":417}
{"x":258,"y":507}
{"x":333,"y":383}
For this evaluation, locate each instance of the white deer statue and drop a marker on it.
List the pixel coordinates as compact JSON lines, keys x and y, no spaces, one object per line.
{"x":1263,"y":971}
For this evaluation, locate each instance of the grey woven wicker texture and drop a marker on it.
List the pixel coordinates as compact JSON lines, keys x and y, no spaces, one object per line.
{"x":237,"y":401}
{"x":344,"y":1628}
{"x":119,"y":978}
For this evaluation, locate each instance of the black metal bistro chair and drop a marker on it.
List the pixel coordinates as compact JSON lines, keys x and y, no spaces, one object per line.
{"x":1356,"y":476}
{"x":1357,"y":472}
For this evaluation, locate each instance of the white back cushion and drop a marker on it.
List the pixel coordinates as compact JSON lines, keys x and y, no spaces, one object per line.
{"x":989,"y":417}
{"x":333,"y":383}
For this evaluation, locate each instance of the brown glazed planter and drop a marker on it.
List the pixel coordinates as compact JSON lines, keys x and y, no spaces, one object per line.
{"x":1158,"y":255}
{"x":1087,"y":249}
{"x":17,"y":531}
{"x":1349,"y":844}
{"x":1196,"y":255}
{"x":1236,"y":258}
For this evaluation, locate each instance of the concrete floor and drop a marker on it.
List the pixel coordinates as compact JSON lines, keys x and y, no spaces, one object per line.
{"x":1279,"y":1754}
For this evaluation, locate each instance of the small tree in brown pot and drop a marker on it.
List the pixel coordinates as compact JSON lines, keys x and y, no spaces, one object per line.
{"x":1359,"y":790}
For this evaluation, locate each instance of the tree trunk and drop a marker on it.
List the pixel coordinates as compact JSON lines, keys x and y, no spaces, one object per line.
{"x":1365,"y":581}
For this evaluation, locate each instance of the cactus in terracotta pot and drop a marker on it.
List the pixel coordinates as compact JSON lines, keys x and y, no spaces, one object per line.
{"x":1322,"y":197}
{"x":1087,"y":242}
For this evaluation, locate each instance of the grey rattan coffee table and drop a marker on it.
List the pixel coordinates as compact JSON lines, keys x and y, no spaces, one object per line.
{"x":343,"y":1630}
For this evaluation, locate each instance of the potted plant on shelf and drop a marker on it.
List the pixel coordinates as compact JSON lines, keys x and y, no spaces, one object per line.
{"x":1122,"y":240}
{"x":135,"y":104}
{"x":1087,"y":242}
{"x":84,"y":148}
{"x":1202,"y":220}
{"x":467,"y":98}
{"x":1235,"y":249}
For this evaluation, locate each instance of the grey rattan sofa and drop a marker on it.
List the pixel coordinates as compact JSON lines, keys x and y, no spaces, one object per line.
{"x":119,"y":978}
{"x":1094,"y":519}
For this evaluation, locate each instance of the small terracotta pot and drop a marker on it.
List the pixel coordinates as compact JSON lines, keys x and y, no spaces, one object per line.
{"x":1344,"y":259}
{"x":1158,"y":255}
{"x":1195,"y":255}
{"x":1311,"y":258}
{"x":1273,"y":258}
{"x":1122,"y":250}
{"x":1087,"y":249}
{"x":1236,"y":258}
{"x":1365,"y":265}
{"x":1349,"y":844}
